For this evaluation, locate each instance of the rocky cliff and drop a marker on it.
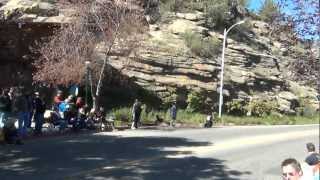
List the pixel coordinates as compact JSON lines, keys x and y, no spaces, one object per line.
{"x":167,"y":67}
{"x":256,"y":67}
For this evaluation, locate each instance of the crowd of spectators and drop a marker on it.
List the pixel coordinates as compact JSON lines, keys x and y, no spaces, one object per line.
{"x":30,"y":112}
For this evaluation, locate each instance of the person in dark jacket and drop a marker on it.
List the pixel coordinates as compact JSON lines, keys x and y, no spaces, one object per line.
{"x":21,"y":108}
{"x":9,"y":130}
{"x":5,"y":107}
{"x":136,"y":113}
{"x":313,"y":157}
{"x":29,"y":99}
{"x":39,"y":107}
{"x":173,"y":114}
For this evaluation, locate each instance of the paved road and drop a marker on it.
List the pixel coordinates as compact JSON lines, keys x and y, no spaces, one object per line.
{"x":223,"y":153}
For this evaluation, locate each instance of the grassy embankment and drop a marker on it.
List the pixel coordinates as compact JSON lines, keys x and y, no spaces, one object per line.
{"x":123,"y":116}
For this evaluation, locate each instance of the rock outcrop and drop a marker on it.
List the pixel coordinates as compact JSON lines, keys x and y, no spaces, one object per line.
{"x":165,"y":66}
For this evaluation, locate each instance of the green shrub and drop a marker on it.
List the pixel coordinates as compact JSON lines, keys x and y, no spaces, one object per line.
{"x":171,"y":6}
{"x":211,"y":47}
{"x":305,"y":108}
{"x":194,"y":42}
{"x":269,"y":11}
{"x":298,"y":50}
{"x":185,"y":116}
{"x":272,"y":119}
{"x":236,"y":107}
{"x":196,"y":101}
{"x":123,"y":117}
{"x":122,"y":114}
{"x":208,"y":47}
{"x":261,"y":107}
{"x":246,"y":27}
{"x":150,"y":117}
{"x":216,"y":13}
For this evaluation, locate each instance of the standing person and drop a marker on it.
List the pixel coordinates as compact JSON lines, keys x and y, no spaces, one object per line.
{"x":29,"y":100}
{"x":5,"y":107}
{"x":39,"y":107}
{"x":313,"y":157}
{"x":80,"y":103}
{"x":21,"y":107}
{"x":173,"y":114}
{"x":291,"y":169}
{"x":57,"y":100}
{"x":136,"y":112}
{"x":11,"y":93}
{"x":5,"y":110}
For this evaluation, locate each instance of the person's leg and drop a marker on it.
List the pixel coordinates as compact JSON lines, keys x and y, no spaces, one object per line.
{"x":21,"y":120}
{"x":38,"y":123}
{"x":29,"y":118}
{"x":138,"y":120}
{"x":172,"y":122}
{"x":1,"y":119}
{"x":133,"y":126}
{"x":25,"y":122}
{"x":62,"y":125}
{"x":41,"y":121}
{"x":136,"y":124}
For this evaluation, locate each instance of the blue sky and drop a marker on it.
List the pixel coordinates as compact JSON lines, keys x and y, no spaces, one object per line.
{"x":255,"y":4}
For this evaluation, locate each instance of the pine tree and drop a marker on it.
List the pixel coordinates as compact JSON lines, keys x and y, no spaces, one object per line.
{"x":269,"y":11}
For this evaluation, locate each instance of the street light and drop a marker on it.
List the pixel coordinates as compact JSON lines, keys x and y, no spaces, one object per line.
{"x":318,"y":98}
{"x":222,"y":64}
{"x":87,"y":79}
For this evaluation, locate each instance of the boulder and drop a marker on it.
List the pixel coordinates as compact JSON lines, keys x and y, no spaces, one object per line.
{"x":287,"y":102}
{"x":15,"y":8}
{"x":191,"y":16}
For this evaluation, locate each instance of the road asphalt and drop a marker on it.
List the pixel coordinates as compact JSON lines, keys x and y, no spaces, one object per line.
{"x":231,"y":153}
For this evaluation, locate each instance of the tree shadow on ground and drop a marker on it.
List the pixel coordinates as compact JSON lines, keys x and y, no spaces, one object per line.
{"x":109,"y":157}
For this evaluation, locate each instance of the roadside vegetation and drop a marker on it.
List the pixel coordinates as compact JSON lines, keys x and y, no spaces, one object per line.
{"x":236,"y":112}
{"x":123,"y":117}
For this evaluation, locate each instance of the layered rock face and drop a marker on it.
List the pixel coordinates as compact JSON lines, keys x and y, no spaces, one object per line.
{"x":255,"y":67}
{"x":167,"y":67}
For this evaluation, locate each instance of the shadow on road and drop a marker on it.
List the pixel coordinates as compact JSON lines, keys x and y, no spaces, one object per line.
{"x":109,"y":157}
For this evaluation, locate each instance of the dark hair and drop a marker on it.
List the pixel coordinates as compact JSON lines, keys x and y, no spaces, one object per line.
{"x":293,"y":162}
{"x":310,"y":147}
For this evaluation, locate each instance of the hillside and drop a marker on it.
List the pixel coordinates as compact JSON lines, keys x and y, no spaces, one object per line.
{"x":167,"y":64}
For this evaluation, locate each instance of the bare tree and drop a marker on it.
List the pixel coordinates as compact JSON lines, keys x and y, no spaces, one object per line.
{"x":113,"y":26}
{"x":304,"y":20}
